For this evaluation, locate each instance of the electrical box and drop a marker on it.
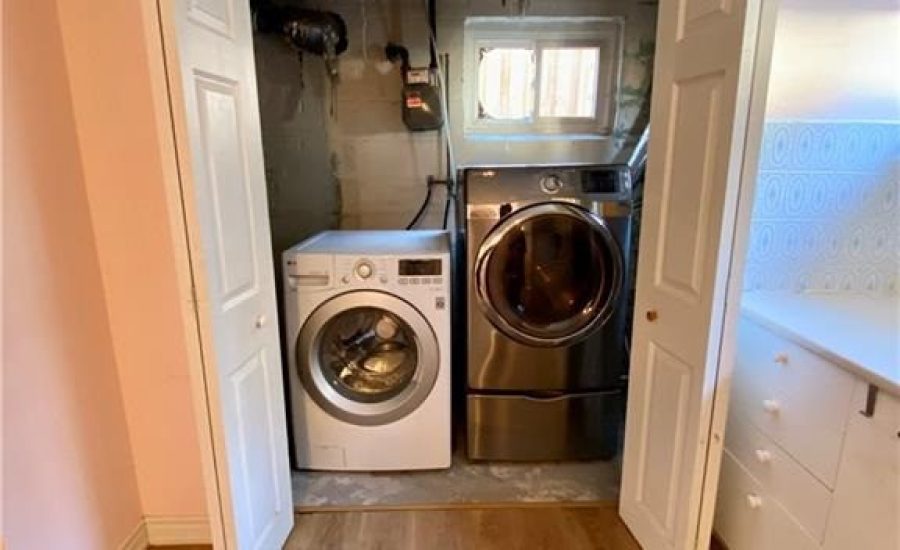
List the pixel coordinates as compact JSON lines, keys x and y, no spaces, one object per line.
{"x":422,"y":100}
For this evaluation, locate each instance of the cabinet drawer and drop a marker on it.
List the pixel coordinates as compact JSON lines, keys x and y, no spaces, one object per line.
{"x":747,"y":518}
{"x":867,"y":496}
{"x":794,"y":396}
{"x":782,"y":477}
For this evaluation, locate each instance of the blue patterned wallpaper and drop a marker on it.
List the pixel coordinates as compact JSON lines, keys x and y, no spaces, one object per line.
{"x":826,"y":214}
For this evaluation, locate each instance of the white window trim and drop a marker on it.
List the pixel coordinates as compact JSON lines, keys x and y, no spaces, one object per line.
{"x":497,"y":32}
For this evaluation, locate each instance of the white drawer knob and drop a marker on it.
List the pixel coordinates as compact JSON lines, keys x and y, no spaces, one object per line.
{"x":771,"y":406}
{"x":754,"y":501}
{"x":261,"y":321}
{"x":781,"y":358}
{"x":763,"y":456}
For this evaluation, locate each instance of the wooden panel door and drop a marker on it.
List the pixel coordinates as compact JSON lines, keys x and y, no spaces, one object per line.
{"x":212,"y":82}
{"x":701,"y":87}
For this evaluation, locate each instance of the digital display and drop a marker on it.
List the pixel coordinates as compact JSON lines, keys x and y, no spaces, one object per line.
{"x":416,"y":268}
{"x":600,"y":181}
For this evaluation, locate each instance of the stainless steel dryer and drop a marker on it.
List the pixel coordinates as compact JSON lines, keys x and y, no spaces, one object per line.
{"x":546,"y":261}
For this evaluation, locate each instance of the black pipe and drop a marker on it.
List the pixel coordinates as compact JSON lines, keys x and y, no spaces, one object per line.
{"x":312,"y":31}
{"x":396,"y":52}
{"x":432,"y":40}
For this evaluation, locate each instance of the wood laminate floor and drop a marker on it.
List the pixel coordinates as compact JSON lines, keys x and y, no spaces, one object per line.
{"x":528,"y":528}
{"x":586,"y":527}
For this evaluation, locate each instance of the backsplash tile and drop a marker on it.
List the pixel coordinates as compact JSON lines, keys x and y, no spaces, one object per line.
{"x":826,"y":214}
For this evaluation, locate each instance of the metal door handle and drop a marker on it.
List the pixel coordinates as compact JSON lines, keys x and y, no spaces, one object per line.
{"x":763,"y":456}
{"x":754,"y":501}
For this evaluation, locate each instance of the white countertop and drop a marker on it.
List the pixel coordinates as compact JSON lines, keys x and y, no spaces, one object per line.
{"x":858,"y":332}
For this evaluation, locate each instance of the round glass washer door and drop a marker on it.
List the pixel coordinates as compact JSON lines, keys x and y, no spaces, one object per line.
{"x":549,"y":274}
{"x":367,"y":357}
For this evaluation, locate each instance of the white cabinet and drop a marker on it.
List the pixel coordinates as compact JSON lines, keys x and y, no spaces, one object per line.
{"x":794,"y":396}
{"x":803,"y":468}
{"x":866,"y":509}
{"x":748,"y":517}
{"x":785,"y":479}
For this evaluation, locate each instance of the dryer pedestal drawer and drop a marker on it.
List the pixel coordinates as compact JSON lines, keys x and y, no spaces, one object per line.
{"x":518,"y":427}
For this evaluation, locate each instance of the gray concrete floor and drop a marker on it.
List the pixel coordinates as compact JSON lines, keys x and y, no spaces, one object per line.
{"x":464,"y":482}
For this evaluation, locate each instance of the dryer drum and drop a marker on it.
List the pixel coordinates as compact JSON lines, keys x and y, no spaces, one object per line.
{"x":549,"y":275}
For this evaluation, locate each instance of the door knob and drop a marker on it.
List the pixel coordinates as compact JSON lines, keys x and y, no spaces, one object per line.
{"x":652,"y":315}
{"x":261,"y":321}
{"x":763,"y":456}
{"x":754,"y":501}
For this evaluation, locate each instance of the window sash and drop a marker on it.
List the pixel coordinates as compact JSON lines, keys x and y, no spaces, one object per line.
{"x":605,"y":34}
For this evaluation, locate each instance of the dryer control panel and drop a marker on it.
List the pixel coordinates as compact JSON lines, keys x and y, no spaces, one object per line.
{"x":599,"y":183}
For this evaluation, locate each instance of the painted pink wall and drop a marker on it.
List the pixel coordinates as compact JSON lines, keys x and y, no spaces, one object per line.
{"x":68,"y":470}
{"x":109,"y":60}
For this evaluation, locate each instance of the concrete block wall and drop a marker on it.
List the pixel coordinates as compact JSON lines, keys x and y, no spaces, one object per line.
{"x":382,"y":166}
{"x":304,"y":195}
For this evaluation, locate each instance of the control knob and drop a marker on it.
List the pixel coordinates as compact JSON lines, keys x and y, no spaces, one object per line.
{"x":364,"y":270}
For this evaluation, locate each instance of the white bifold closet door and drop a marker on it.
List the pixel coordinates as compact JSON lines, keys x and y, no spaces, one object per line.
{"x":701,"y":88}
{"x":212,"y":82}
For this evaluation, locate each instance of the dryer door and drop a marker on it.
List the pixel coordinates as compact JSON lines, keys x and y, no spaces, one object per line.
{"x":549,"y":274}
{"x":367,"y":357}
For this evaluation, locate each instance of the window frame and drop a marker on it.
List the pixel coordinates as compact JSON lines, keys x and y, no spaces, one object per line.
{"x":604,"y":33}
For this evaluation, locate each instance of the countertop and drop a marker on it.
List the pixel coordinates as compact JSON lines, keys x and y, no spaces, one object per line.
{"x":858,"y":332}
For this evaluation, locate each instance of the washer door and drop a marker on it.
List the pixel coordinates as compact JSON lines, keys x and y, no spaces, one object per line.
{"x":367,"y":357}
{"x":549,"y":274}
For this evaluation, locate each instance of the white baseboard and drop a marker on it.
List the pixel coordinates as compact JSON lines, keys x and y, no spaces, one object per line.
{"x":168,"y":531}
{"x":137,"y":540}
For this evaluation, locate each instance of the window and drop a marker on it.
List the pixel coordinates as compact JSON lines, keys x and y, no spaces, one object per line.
{"x":538,"y":76}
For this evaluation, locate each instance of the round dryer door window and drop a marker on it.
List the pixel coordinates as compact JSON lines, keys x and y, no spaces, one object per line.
{"x":549,"y":274}
{"x":367,"y":357}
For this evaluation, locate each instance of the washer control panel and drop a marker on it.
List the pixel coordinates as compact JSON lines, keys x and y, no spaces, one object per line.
{"x":420,"y":272}
{"x":364,"y":269}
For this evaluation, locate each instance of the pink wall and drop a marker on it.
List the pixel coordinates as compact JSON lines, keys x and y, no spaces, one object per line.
{"x":68,"y":470}
{"x":110,"y":71}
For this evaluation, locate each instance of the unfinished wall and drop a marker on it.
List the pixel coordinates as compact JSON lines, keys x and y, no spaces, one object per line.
{"x":337,"y":153}
{"x":68,"y":469}
{"x":633,"y":101}
{"x":110,"y":61}
{"x":303,"y":192}
{"x":378,"y":166}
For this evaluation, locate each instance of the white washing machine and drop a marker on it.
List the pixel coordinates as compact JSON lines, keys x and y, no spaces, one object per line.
{"x":368,"y":336}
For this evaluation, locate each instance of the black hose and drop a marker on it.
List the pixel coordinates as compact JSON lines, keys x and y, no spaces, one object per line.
{"x":449,"y":176}
{"x":424,"y":205}
{"x":446,"y":209}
